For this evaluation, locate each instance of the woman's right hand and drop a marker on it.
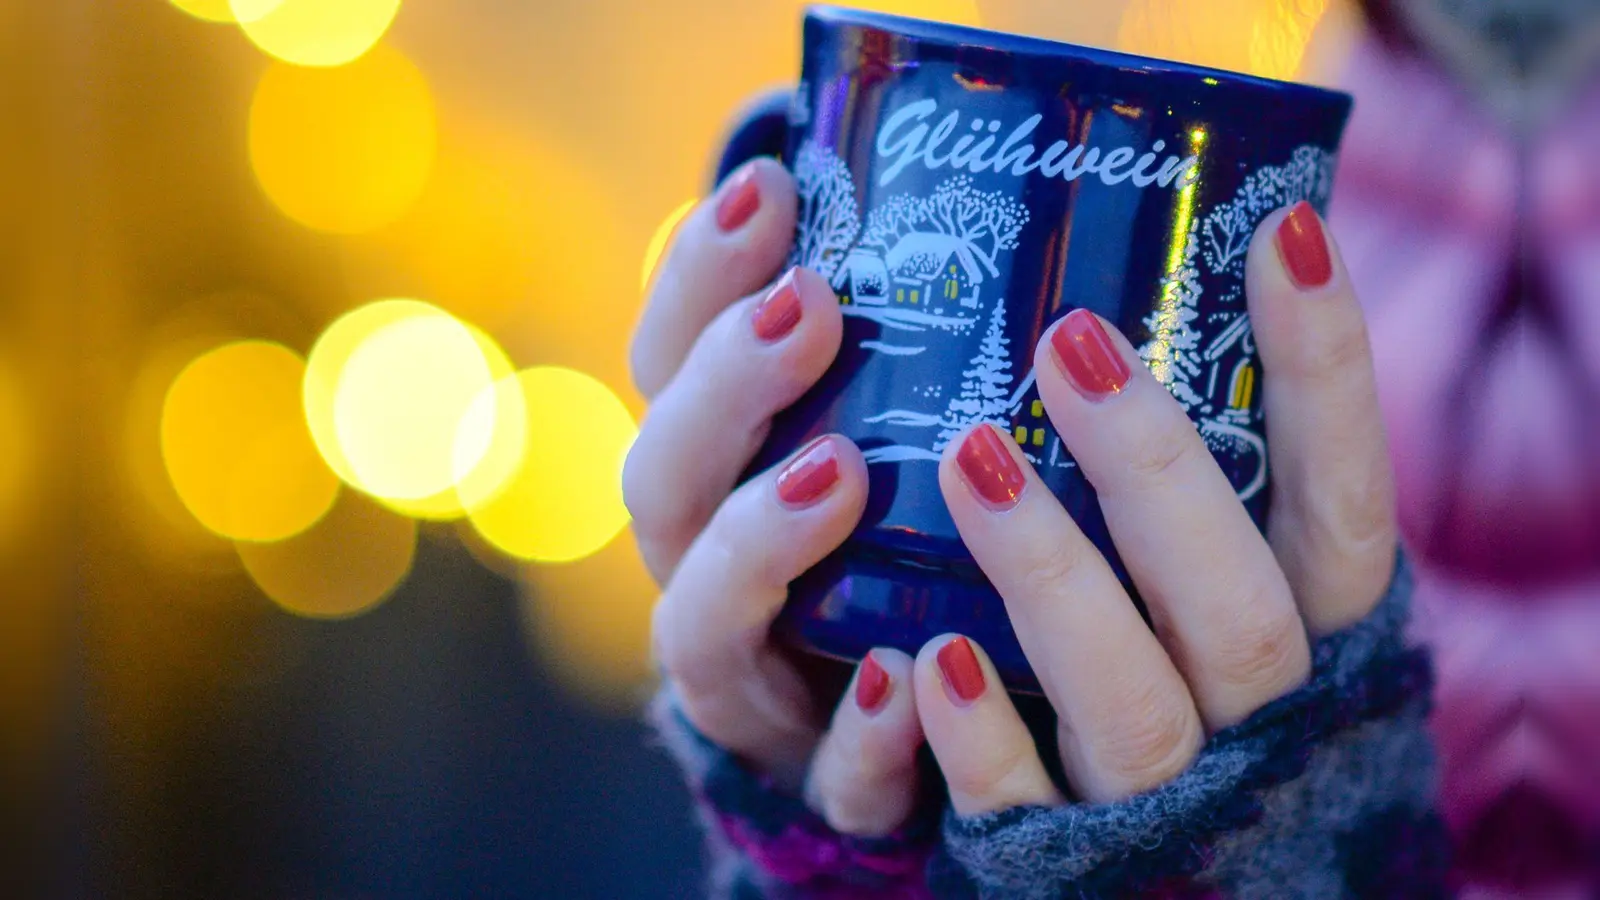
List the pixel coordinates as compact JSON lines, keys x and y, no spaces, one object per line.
{"x":719,"y":350}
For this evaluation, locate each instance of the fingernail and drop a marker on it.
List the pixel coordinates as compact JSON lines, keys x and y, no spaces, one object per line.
{"x":872,"y":686}
{"x":779,"y":312}
{"x":740,"y":199}
{"x":1088,"y":357}
{"x":1303,"y":248}
{"x":988,"y":466}
{"x":963,"y":675}
{"x":809,"y":475}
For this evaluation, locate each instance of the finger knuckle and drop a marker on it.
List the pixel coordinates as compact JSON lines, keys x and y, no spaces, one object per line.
{"x":1264,"y":648}
{"x":1053,"y":566}
{"x":1163,"y":451}
{"x":988,"y":774}
{"x":1152,"y":740}
{"x":1337,"y":350}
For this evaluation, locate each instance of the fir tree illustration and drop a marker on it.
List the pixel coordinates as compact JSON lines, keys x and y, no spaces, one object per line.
{"x":1173,"y":351}
{"x":985,"y":385}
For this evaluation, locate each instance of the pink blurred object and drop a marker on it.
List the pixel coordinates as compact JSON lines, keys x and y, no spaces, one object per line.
{"x":1477,"y":253}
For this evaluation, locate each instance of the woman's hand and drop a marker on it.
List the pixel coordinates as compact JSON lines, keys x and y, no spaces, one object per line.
{"x":720,"y":353}
{"x":1233,"y":610}
{"x":719,"y":350}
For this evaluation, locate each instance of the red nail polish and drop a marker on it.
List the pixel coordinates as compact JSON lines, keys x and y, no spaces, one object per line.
{"x":779,"y":312}
{"x":808,"y":476}
{"x":872,"y":686}
{"x":1088,"y":357}
{"x":1304,"y":249}
{"x":963,"y":675}
{"x":740,"y":199}
{"x":988,"y":466}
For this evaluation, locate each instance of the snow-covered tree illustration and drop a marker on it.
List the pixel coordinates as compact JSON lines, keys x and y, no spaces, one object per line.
{"x":956,"y":215}
{"x":1308,"y":175}
{"x":829,"y":218}
{"x":1173,"y":351}
{"x":986,"y":383}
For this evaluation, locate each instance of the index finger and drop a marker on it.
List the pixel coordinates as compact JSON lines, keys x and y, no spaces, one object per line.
{"x":727,"y":248}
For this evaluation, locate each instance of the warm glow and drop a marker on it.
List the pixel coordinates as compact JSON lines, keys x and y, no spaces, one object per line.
{"x":1278,"y":39}
{"x":222,"y":11}
{"x":17,"y":453}
{"x":343,"y":566}
{"x":479,"y":472}
{"x":326,"y":362}
{"x":519,"y":235}
{"x":659,"y":241}
{"x":236,"y":446}
{"x":399,"y":401}
{"x":565,"y":500}
{"x":1260,"y":37}
{"x":590,"y":622}
{"x":344,"y":150}
{"x":315,"y":32}
{"x":959,"y":12}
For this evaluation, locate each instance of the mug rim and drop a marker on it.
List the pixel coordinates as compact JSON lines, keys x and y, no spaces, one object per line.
{"x":953,"y":35}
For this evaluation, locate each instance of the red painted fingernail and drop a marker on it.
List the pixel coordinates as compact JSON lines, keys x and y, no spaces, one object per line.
{"x":1088,"y":357}
{"x":988,"y":466}
{"x":872,"y":686}
{"x":779,"y":312}
{"x":810,"y":474}
{"x":740,"y":199}
{"x":1304,"y":249}
{"x":963,"y":675}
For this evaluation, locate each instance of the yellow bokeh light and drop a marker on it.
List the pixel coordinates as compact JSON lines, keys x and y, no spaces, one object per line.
{"x":590,"y":623}
{"x":326,"y":362}
{"x":343,"y":150}
{"x":344,"y":565}
{"x":399,"y":402}
{"x":236,"y":446}
{"x":1259,"y":37}
{"x":315,"y":32}
{"x":958,"y":12}
{"x":564,"y":501}
{"x":659,"y":240}
{"x":479,"y":472}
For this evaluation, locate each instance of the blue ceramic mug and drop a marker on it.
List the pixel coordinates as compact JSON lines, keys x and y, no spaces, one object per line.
{"x":963,"y":189}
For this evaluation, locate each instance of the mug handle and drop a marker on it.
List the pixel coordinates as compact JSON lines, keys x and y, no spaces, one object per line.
{"x":761,"y":130}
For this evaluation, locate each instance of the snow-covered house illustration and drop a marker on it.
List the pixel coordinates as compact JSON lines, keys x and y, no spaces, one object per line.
{"x":933,"y":267}
{"x":863,"y":278}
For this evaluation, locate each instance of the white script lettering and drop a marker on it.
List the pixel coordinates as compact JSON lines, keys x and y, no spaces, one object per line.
{"x":906,"y":139}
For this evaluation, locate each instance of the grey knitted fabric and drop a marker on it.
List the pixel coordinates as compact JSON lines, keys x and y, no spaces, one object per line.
{"x":1290,"y":847}
{"x":1270,"y":809}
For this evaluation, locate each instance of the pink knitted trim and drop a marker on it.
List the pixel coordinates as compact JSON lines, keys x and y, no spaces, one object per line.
{"x":802,"y":857}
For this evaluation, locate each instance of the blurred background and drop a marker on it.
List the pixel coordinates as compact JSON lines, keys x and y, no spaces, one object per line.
{"x":314,"y":573}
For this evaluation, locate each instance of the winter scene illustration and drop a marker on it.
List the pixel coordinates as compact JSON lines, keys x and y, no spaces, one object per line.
{"x":1211,"y":366}
{"x":924,"y":269}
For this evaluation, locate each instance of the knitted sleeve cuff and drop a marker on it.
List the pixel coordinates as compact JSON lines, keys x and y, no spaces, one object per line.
{"x":765,"y":842}
{"x":1326,"y":788}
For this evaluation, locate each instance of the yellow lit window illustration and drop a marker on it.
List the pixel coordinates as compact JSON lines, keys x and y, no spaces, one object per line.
{"x":1038,"y":408}
{"x":899,"y":295}
{"x":1038,"y":437}
{"x":1243,"y":388}
{"x":914,"y":295}
{"x":1021,"y":434}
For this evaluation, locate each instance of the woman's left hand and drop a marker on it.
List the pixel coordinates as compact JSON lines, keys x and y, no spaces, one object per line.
{"x":1233,"y":610}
